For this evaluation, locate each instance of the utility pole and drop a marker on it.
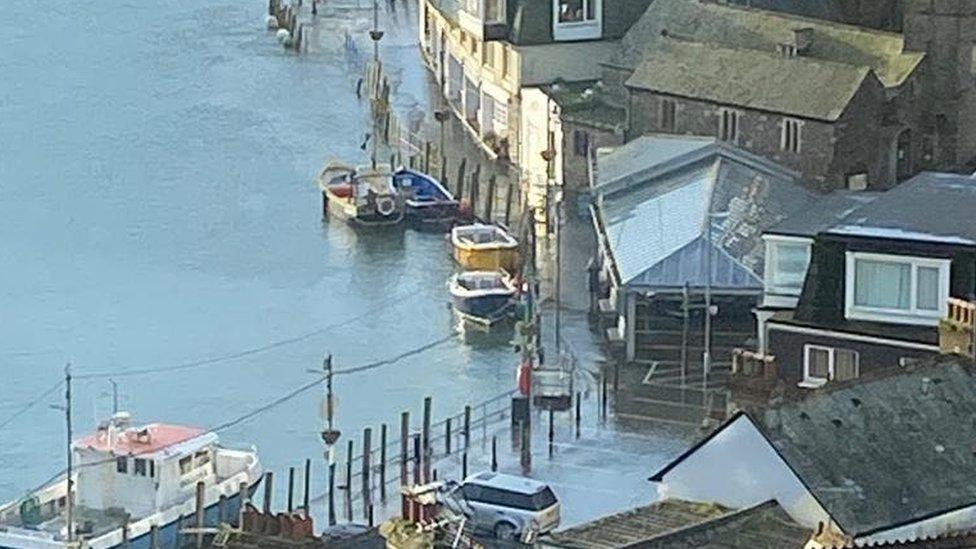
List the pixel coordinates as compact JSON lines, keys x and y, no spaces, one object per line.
{"x":67,"y":420}
{"x":115,"y":396}
{"x":330,"y":436}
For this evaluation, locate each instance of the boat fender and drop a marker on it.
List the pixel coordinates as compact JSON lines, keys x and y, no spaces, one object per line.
{"x":283,"y":36}
{"x":385,"y":205}
{"x":271,"y":22}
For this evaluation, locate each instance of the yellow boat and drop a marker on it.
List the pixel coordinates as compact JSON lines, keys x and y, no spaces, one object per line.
{"x":482,"y":247}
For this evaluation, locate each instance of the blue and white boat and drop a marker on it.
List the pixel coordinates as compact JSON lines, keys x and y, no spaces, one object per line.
{"x":482,"y":296}
{"x":428,"y":203}
{"x":132,"y":485}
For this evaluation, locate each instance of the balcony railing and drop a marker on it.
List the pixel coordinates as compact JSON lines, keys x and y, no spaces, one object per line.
{"x":957,"y":331}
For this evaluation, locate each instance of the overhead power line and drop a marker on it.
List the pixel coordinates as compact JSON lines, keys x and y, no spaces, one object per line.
{"x":31,"y":404}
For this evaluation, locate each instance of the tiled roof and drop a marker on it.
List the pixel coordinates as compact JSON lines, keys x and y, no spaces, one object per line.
{"x":731,"y":76}
{"x":883,"y":452}
{"x":930,"y":207}
{"x":752,"y":29}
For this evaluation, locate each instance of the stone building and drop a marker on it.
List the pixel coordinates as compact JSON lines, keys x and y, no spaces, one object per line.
{"x":836,"y":102}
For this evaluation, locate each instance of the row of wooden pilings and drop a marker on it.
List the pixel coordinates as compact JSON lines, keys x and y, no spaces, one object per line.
{"x":285,"y":17}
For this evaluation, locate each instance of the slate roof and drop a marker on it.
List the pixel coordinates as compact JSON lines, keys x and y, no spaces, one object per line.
{"x":879,"y":453}
{"x":754,"y":29}
{"x":584,"y":102}
{"x":729,"y":76}
{"x":654,"y":196}
{"x":531,"y":20}
{"x":676,"y":523}
{"x":930,"y":207}
{"x":827,"y":211}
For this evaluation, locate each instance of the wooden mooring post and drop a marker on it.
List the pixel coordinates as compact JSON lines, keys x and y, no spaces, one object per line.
{"x":467,"y":428}
{"x":291,"y":489}
{"x":306,"y":496}
{"x":426,"y":439}
{"x":509,"y":194}
{"x":404,"y":450}
{"x":459,"y":192}
{"x":579,"y":398}
{"x":268,"y":492}
{"x":490,"y":199}
{"x":383,"y":463}
{"x":417,"y":459}
{"x":200,"y":508}
{"x":367,"y":461}
{"x":494,"y":453}
{"x":447,"y":436}
{"x":348,"y":486}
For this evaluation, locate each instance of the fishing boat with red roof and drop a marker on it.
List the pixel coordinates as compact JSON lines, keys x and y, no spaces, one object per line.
{"x":132,"y":486}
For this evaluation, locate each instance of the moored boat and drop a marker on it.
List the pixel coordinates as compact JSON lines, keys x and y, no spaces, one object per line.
{"x":428,"y":203}
{"x":484,"y":247}
{"x":482,"y":296}
{"x":360,"y":196}
{"x":132,"y":487}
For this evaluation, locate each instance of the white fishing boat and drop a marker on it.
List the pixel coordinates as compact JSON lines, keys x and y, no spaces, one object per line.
{"x":361,"y":196}
{"x":133,"y":487}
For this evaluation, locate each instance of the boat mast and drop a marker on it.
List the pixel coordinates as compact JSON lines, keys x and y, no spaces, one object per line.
{"x":67,"y":420}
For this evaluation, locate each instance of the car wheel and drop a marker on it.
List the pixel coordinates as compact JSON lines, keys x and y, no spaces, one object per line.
{"x":505,"y":530}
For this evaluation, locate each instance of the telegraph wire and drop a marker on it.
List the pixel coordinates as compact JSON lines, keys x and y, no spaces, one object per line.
{"x":31,"y":404}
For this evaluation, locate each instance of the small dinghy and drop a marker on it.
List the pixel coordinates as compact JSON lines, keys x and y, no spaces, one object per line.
{"x":482,"y":296}
{"x":360,"y":196}
{"x":428,"y":203}
{"x":484,"y":247}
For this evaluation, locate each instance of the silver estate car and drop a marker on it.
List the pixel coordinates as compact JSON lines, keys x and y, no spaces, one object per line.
{"x":511,"y":507}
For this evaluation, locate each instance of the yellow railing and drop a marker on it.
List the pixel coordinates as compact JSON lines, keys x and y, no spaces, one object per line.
{"x":753,"y":364}
{"x":957,"y":331}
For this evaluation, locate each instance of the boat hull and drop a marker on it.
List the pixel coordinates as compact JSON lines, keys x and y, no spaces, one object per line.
{"x":432,"y":215}
{"x":344,"y":209}
{"x":167,"y":535}
{"x":487,"y":259}
{"x":486,"y":309}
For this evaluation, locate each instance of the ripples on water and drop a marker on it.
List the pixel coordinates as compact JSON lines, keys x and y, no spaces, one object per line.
{"x":157,"y":207}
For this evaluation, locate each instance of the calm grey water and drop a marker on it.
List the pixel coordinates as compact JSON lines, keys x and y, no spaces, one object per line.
{"x":157,"y":208}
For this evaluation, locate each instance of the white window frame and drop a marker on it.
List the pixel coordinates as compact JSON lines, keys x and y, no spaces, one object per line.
{"x":587,"y":29}
{"x":791,"y":143}
{"x":913,"y":315}
{"x":814,"y":382}
{"x":772,"y":242}
{"x":736,"y":130}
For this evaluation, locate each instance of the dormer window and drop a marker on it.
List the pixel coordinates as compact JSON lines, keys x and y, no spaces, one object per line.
{"x":577,"y":19}
{"x":897,"y":289}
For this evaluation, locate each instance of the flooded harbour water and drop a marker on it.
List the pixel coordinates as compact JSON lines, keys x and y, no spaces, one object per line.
{"x":157,"y":209}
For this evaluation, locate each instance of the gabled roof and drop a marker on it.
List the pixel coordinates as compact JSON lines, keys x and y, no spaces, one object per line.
{"x":678,"y":523}
{"x":880,"y":453}
{"x":753,"y":29}
{"x":656,"y":195}
{"x":930,"y":207}
{"x":797,"y":86}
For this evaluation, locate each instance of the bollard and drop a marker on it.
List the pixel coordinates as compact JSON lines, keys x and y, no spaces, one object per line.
{"x":291,"y":489}
{"x":404,"y":435}
{"x":308,"y":482}
{"x":426,"y":439}
{"x":447,"y":436}
{"x":494,"y":453}
{"x":200,"y":508}
{"x":348,"y":494}
{"x":268,"y":488}
{"x":383,"y":463}
{"x":552,"y":433}
{"x":579,"y":396}
{"x":367,"y":461}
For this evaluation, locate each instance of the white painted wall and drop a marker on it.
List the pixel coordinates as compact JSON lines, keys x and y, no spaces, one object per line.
{"x":738,"y":468}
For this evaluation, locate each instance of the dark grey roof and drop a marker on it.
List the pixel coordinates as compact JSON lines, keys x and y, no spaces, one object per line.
{"x":654,"y":196}
{"x":531,"y":20}
{"x":930,"y":207}
{"x":752,"y":29}
{"x":823,"y":214}
{"x":800,"y":86}
{"x":884,"y":452}
{"x":676,"y":523}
